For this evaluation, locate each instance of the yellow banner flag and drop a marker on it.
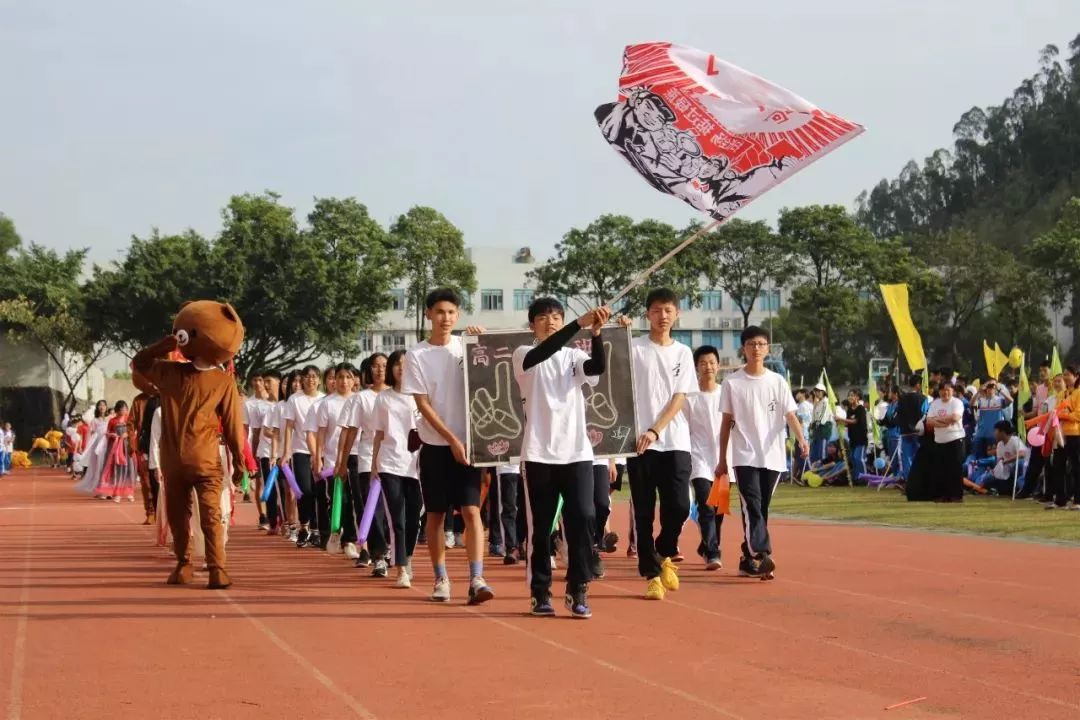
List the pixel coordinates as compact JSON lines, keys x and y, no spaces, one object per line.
{"x":1025,"y":386}
{"x":897,"y":303}
{"x":1055,"y":364}
{"x":1001,"y":360}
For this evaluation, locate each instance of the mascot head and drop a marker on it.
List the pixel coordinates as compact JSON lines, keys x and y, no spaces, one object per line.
{"x":208,"y":332}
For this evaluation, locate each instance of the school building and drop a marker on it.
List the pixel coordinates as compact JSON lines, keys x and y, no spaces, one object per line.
{"x":504,"y":292}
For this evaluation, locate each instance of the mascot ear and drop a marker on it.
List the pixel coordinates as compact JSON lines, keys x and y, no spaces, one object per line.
{"x":229,"y":313}
{"x":185,"y":304}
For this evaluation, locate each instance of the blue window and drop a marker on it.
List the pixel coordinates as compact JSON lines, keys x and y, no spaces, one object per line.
{"x":684,"y":304}
{"x":686,"y":337}
{"x":491,"y":299}
{"x":769,"y":300}
{"x":712,"y":300}
{"x":714,"y":338}
{"x":398,"y":296}
{"x":522,"y":299}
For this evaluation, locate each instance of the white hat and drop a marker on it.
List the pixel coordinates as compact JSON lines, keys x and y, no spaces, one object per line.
{"x":820,"y":387}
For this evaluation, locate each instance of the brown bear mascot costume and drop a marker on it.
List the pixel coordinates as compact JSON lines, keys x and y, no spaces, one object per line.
{"x":195,"y":397}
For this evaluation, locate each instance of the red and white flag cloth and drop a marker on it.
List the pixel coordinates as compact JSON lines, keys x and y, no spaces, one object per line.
{"x":711,"y":133}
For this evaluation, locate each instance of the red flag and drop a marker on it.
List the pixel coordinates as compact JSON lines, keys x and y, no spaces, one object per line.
{"x":711,"y":133}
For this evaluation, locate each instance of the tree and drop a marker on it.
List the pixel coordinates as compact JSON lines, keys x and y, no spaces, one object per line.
{"x":592,"y":265}
{"x":301,"y":293}
{"x":62,"y":333}
{"x":433,"y":256}
{"x":837,"y":258}
{"x":742,"y":258}
{"x":1055,"y":255}
{"x":132,"y":304}
{"x":9,"y":238}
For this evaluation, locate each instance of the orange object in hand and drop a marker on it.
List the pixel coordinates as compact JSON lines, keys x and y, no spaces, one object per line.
{"x":720,"y":495}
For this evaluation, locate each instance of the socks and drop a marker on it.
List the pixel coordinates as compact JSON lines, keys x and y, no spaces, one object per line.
{"x":476,"y":569}
{"x":440,"y":571}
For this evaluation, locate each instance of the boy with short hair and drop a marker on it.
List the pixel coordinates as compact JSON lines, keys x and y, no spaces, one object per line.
{"x":757,"y":404}
{"x":702,"y":412}
{"x":555,"y":447}
{"x":433,"y":375}
{"x":663,"y":377}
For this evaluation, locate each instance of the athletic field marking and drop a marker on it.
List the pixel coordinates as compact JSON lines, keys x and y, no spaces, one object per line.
{"x":18,"y":661}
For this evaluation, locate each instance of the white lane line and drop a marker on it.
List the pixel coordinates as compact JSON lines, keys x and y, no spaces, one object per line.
{"x":18,"y":661}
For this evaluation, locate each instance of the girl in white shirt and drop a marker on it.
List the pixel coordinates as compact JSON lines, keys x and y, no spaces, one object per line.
{"x":320,"y":485}
{"x":397,"y":467}
{"x":295,"y":449}
{"x":358,"y":439}
{"x":555,"y":447}
{"x":324,"y":436}
{"x":945,"y":416}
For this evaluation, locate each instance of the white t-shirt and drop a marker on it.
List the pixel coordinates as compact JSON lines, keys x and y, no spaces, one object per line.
{"x":953,"y":431}
{"x":395,"y":415}
{"x":295,"y":414}
{"x":1007,"y":453}
{"x":251,"y":414}
{"x":660,"y":371}
{"x":326,"y":415}
{"x":554,"y":406}
{"x":805,"y":411}
{"x":437,"y":371}
{"x":702,"y":411}
{"x":154,"y":456}
{"x":269,"y":419}
{"x":360,"y":414}
{"x":759,"y":405}
{"x":8,"y":440}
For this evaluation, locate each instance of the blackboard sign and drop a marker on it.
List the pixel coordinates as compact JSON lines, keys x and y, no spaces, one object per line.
{"x":495,"y":418}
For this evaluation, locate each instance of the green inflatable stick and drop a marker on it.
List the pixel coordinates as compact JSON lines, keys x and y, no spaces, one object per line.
{"x":335,"y":510}
{"x":558,"y":513}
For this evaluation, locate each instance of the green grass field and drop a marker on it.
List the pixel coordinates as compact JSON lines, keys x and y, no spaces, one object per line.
{"x":994,"y":516}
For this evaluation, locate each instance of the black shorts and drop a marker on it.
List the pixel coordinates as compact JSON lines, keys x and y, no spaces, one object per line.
{"x":444,"y":482}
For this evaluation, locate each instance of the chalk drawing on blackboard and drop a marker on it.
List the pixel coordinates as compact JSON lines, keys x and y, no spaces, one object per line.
{"x":600,"y":412}
{"x":494,"y":418}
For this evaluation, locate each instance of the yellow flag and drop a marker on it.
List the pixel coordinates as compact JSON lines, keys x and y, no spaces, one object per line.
{"x":988,"y":355}
{"x":896,"y":302}
{"x":1025,"y":387}
{"x":1055,"y":364}
{"x":1001,"y":360}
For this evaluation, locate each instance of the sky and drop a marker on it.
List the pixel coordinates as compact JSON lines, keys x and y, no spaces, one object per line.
{"x":120,"y":116}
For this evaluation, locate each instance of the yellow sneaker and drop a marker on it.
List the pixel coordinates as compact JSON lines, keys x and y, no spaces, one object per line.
{"x":656,"y":590}
{"x":669,"y":574}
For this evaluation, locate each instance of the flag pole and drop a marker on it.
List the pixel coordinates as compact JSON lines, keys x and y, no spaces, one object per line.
{"x":644,"y":275}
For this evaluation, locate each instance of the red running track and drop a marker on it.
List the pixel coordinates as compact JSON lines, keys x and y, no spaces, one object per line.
{"x":858,"y":619}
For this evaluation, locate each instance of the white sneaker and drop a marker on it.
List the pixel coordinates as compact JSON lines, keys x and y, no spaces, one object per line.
{"x":333,"y":545}
{"x":459,"y":540}
{"x":403,"y":579}
{"x":294,"y":535}
{"x":131,"y":499}
{"x":380,"y":570}
{"x":409,"y":568}
{"x":441,"y":591}
{"x":350,"y":551}
{"x":449,"y":540}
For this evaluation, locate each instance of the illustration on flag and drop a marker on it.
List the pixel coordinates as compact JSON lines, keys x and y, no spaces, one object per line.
{"x":710,"y":133}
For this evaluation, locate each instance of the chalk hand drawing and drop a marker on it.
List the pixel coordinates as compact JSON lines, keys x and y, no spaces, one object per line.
{"x":494,"y":417}
{"x":600,"y":411}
